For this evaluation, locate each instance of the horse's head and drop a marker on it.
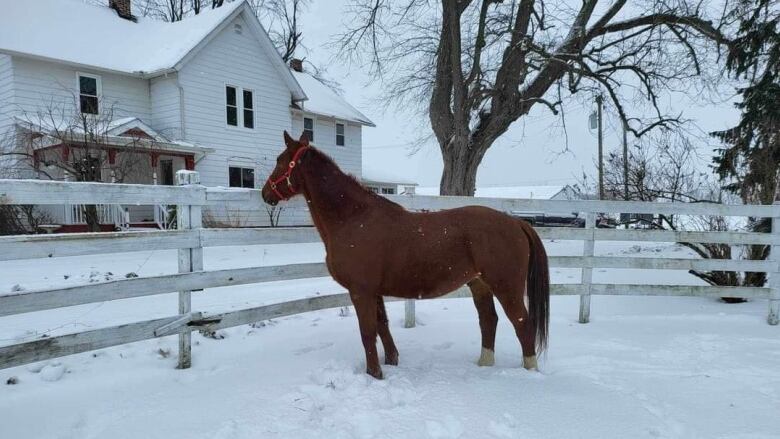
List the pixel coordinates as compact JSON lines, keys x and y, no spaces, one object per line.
{"x":285,"y":180}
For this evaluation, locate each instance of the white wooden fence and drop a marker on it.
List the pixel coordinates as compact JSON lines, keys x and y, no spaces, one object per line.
{"x":191,"y":238}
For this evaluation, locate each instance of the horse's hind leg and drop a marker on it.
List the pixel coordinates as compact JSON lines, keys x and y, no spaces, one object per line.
{"x":488,"y":320}
{"x":514,"y":307}
{"x":383,"y":328}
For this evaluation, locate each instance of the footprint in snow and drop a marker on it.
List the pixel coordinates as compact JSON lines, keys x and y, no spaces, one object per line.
{"x":308,"y":349}
{"x":447,"y":428}
{"x":443,"y":346}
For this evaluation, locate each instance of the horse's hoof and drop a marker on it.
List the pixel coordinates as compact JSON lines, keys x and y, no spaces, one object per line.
{"x":486,"y":358}
{"x":376,"y":373}
{"x":530,"y":363}
{"x":391,"y":359}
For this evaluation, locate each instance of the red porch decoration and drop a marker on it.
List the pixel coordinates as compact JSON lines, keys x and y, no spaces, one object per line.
{"x":112,"y":156}
{"x":137,"y":133}
{"x":155,"y":158}
{"x":65,"y":153}
{"x":189,"y":162}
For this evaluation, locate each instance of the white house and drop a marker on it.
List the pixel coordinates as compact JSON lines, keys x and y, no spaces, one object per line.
{"x":208,"y":93}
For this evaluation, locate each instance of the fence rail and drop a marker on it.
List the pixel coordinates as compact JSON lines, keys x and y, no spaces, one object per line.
{"x":191,"y":238}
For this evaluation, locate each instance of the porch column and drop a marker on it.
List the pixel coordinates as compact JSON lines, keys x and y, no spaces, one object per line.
{"x":189,"y":162}
{"x":65,"y":152}
{"x":112,"y":163}
{"x":36,"y":164}
{"x":155,"y":160}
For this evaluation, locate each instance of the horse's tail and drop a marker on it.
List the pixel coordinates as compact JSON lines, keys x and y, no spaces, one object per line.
{"x":538,"y":289}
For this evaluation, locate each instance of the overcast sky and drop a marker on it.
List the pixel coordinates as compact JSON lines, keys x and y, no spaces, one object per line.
{"x":529,"y":154}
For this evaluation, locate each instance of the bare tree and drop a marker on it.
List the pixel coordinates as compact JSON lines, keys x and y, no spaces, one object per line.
{"x":283,"y":18}
{"x":665,"y":166}
{"x":274,"y":212}
{"x":482,"y":65}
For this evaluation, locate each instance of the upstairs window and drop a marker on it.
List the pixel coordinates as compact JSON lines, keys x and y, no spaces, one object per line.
{"x":308,"y":128}
{"x":231,"y":103}
{"x":388,"y":191}
{"x":89,"y":90}
{"x":249,"y":112}
{"x":340,"y":134}
{"x":242,"y":177}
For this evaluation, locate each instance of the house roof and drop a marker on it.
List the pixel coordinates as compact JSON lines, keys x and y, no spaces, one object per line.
{"x":520,"y":192}
{"x":81,"y":34}
{"x":117,"y":132}
{"x":377,"y":175}
{"x":323,"y":101}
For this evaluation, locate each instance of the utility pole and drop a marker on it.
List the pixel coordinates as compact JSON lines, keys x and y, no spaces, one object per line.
{"x":599,"y":104}
{"x":625,"y":161}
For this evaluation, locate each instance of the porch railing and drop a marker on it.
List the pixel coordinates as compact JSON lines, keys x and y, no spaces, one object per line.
{"x":107,"y":214}
{"x":165,"y":216}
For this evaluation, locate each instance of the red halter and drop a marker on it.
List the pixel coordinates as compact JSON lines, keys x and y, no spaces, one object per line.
{"x":286,"y":175}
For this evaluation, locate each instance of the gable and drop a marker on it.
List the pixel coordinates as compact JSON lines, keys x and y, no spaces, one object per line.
{"x":250,"y":26}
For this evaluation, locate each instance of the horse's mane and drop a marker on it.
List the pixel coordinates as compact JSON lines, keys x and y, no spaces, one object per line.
{"x":351,"y":179}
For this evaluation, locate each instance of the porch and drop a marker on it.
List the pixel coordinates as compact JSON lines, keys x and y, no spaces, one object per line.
{"x":127,"y":152}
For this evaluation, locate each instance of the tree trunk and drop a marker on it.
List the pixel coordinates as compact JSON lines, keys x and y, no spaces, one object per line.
{"x":461,"y":161}
{"x":92,"y":218}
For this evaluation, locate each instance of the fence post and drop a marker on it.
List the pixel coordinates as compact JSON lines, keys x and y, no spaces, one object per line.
{"x":774,"y":277}
{"x":587,"y":272}
{"x":409,"y":316}
{"x":190,"y":259}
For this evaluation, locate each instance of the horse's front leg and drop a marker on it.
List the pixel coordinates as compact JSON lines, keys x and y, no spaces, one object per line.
{"x":366,"y":310}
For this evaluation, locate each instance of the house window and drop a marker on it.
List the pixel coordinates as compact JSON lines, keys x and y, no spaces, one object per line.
{"x":340,"y":134}
{"x":231,"y":102}
{"x":308,"y":128}
{"x":89,"y":90}
{"x":373,"y":189}
{"x":249,"y":112}
{"x":242,"y":177}
{"x":388,"y":191}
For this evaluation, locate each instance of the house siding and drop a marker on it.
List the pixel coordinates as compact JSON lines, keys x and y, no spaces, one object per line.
{"x":166,"y":106}
{"x":235,"y":59}
{"x":40,"y":85}
{"x":6,"y":93}
{"x":7,"y":137}
{"x":349,"y":157}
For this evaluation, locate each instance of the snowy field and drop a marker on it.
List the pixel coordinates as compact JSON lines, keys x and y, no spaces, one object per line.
{"x":644,"y":366}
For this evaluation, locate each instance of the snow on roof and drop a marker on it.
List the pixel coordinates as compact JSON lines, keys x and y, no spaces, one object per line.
{"x":378,"y":175}
{"x":521,"y":192}
{"x":115,"y":128}
{"x":90,"y":35}
{"x":326,"y":102}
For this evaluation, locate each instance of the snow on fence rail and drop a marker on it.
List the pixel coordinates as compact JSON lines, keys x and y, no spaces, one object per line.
{"x":191,"y":238}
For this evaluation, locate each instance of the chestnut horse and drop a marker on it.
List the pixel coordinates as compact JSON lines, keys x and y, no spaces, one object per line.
{"x":377,"y":248}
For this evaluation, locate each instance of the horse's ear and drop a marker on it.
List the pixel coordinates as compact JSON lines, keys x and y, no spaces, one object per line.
{"x":289,"y":141}
{"x":304,"y":140}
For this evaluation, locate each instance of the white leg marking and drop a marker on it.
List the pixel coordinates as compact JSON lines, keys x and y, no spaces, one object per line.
{"x":486,"y":358}
{"x":530,"y":363}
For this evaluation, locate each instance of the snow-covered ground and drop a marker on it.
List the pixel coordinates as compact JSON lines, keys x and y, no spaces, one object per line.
{"x":643,"y":367}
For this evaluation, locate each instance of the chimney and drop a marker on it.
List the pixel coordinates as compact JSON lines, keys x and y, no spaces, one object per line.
{"x":122,"y":7}
{"x":296,"y":64}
